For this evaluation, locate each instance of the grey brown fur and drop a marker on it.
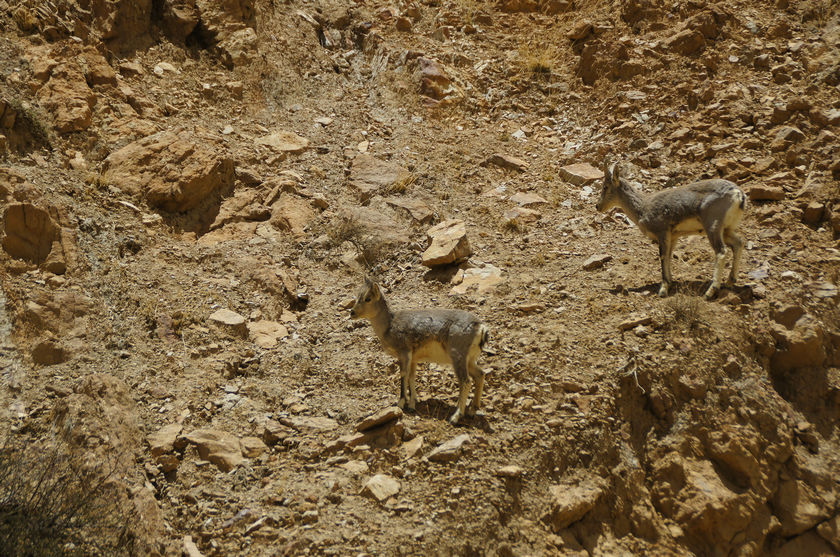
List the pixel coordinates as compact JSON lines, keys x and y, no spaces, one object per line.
{"x":446,"y":336}
{"x":714,"y":207}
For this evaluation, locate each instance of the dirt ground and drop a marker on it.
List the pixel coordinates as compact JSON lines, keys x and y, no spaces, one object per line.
{"x":164,"y":160}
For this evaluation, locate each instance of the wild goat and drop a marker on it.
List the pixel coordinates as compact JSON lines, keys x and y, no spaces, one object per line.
{"x":445,"y":336}
{"x":713,"y":207}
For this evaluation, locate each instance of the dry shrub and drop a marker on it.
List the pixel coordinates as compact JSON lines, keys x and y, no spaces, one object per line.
{"x":686,"y":310}
{"x":342,"y":229}
{"x":52,"y":502}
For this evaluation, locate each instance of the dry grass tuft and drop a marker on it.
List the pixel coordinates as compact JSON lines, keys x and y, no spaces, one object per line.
{"x":686,"y":310}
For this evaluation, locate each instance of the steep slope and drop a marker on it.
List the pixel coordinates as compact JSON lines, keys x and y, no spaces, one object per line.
{"x":167,"y":160}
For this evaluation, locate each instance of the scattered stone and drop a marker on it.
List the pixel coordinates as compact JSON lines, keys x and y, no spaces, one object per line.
{"x":482,"y":279}
{"x":449,"y":244}
{"x":685,"y":42}
{"x":634,"y":322}
{"x":581,"y":173}
{"x":310,"y":516}
{"x":435,"y":83}
{"x":521,"y":215}
{"x":596,"y":261}
{"x":527,"y":199}
{"x":766,"y":193}
{"x":310,"y":424}
{"x":449,"y":451}
{"x":570,"y":502}
{"x":274,"y":432}
{"x":580,"y":31}
{"x":532,"y":307}
{"x":381,"y":487}
{"x":252,"y":447}
{"x":163,"y":441}
{"x":284,"y":142}
{"x":266,"y":334}
{"x":403,"y":24}
{"x":390,"y":414}
{"x":506,"y":161}
{"x":411,"y":448}
{"x":510,"y":471}
{"x":190,"y":549}
{"x":356,"y":467}
{"x":218,"y":447}
{"x":813,"y":212}
{"x":229,"y":321}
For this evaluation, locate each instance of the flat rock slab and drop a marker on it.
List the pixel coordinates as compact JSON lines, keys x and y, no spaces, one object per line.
{"x":506,"y":161}
{"x":419,"y":211}
{"x":230,"y":321}
{"x":384,"y":416}
{"x":163,"y":441}
{"x":266,"y":334}
{"x":219,"y":447}
{"x":310,"y":424}
{"x":449,"y":244}
{"x":449,"y":451}
{"x":284,"y":142}
{"x":571,"y":502}
{"x":634,"y":321}
{"x":522,"y":214}
{"x":596,"y":261}
{"x":480,"y":279}
{"x":766,"y":193}
{"x":580,"y":173}
{"x":381,"y":487}
{"x":369,"y":175}
{"x":527,"y":199}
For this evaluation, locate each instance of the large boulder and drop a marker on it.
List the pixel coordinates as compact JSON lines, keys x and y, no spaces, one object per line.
{"x":29,"y":232}
{"x":570,"y":501}
{"x":68,"y":99}
{"x":172,"y":170}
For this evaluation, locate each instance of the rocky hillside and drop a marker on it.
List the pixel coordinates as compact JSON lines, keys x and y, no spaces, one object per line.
{"x":192,"y":192}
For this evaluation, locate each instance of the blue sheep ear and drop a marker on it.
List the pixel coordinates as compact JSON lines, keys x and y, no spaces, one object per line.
{"x":613,"y":174}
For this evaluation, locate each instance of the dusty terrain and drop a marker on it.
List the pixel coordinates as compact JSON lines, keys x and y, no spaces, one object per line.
{"x":164,"y":160}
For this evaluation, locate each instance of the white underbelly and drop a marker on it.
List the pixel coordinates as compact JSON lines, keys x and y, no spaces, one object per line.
{"x":432,"y":352}
{"x":688,"y":227}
